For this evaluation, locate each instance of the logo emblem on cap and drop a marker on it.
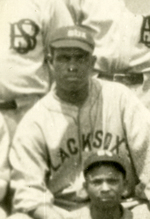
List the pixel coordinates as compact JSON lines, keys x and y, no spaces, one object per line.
{"x":76,"y":33}
{"x":104,"y":152}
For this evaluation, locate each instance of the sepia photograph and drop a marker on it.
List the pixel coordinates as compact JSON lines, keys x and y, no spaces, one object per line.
{"x":75,"y":109}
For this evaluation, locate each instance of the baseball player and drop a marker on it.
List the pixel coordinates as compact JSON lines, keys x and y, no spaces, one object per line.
{"x":79,"y":115}
{"x":4,"y":165}
{"x":122,"y":42}
{"x":122,"y":39}
{"x":105,"y":181}
{"x":25,"y":26}
{"x":24,"y":76}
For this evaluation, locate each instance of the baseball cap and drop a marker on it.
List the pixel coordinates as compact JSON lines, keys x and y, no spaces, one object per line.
{"x":72,"y":36}
{"x":104,"y":156}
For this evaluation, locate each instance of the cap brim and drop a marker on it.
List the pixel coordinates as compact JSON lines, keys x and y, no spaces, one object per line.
{"x":71,"y":44}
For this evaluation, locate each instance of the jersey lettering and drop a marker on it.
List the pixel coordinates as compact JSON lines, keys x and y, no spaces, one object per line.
{"x":23,"y":35}
{"x":71,"y":146}
{"x":118,"y":143}
{"x":86,"y":142}
{"x":63,"y":155}
{"x":107,"y":140}
{"x":145,"y":33}
{"x":100,"y":140}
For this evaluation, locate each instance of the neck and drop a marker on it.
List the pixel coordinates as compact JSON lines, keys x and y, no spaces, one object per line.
{"x":106,"y":213}
{"x":74,"y":97}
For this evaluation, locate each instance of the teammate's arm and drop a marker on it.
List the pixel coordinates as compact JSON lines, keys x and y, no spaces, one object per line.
{"x":4,"y":164}
{"x":136,"y":120}
{"x":28,"y":157}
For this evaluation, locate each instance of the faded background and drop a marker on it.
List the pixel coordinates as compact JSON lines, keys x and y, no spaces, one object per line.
{"x":138,"y":6}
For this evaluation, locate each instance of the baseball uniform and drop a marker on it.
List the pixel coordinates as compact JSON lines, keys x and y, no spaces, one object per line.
{"x":86,"y":213}
{"x":25,"y":30}
{"x":4,"y":146}
{"x":122,"y":38}
{"x":54,"y":138}
{"x":4,"y":164}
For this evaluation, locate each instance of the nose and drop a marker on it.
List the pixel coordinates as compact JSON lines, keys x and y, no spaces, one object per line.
{"x":72,"y":67}
{"x":104,"y":187}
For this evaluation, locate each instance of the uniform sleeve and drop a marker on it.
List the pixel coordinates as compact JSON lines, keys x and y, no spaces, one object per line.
{"x":119,"y":34}
{"x":29,"y":167}
{"x":25,"y":27}
{"x":4,"y":147}
{"x":136,"y":121}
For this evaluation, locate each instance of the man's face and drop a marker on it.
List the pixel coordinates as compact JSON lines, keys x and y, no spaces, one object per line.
{"x":105,"y":185}
{"x":71,"y":68}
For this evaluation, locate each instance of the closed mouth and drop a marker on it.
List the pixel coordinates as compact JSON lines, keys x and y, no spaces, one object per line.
{"x":73,"y":78}
{"x":106,"y":198}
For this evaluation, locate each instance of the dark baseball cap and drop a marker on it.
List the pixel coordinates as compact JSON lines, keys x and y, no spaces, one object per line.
{"x":103,"y":156}
{"x":72,"y":36}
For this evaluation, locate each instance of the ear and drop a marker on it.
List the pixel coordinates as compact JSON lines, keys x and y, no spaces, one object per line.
{"x":49,"y":58}
{"x":125,"y":188}
{"x":50,"y":62}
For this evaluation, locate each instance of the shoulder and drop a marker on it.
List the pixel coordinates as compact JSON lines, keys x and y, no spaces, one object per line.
{"x":34,"y":116}
{"x":41,"y":111}
{"x":117,"y":95}
{"x":111,"y":88}
{"x":83,"y":212}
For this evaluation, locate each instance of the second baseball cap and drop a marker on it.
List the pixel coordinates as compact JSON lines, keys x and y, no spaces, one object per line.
{"x":103,"y":156}
{"x":72,"y":36}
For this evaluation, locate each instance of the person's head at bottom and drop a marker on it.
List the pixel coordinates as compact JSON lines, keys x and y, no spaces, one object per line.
{"x":72,"y":62}
{"x":105,"y":182}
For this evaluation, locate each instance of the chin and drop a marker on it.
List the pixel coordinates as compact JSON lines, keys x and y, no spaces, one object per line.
{"x":108,"y":203}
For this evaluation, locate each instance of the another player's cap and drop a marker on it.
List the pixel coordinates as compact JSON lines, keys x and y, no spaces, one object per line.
{"x":72,"y":36}
{"x":104,"y":156}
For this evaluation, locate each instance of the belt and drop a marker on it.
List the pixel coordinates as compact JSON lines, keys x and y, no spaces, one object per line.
{"x":8,"y":105}
{"x":129,"y":79}
{"x":20,"y":102}
{"x":125,"y":78}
